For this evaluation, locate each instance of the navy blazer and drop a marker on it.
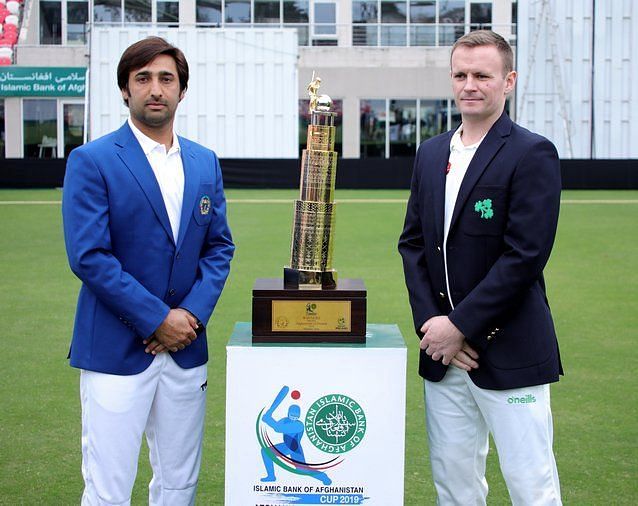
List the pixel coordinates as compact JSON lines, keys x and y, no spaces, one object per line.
{"x":495,"y":259}
{"x":120,"y":244}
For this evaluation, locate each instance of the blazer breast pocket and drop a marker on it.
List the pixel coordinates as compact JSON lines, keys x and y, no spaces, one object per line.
{"x":485,"y":211}
{"x":203,"y":211}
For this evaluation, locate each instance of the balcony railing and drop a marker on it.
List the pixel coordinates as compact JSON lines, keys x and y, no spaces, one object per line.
{"x":369,"y":34}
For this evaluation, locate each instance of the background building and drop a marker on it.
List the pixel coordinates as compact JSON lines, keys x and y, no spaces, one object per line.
{"x":384,"y":62}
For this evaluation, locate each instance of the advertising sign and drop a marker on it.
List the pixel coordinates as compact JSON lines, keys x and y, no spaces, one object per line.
{"x":42,"y":81}
{"x":315,"y":424}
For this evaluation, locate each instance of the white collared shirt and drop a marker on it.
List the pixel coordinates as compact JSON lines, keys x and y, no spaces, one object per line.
{"x":459,"y":161}
{"x":169,"y":172}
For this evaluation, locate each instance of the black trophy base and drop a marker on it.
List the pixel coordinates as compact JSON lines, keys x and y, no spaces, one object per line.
{"x":283,"y":315}
{"x":295,"y":279}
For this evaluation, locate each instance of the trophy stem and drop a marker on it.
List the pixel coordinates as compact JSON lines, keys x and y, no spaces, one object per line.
{"x":314,"y":219}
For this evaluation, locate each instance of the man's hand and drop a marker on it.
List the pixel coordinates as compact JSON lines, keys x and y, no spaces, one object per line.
{"x":176,"y":332}
{"x":441,"y":340}
{"x":466,"y":359}
{"x":153,"y":345}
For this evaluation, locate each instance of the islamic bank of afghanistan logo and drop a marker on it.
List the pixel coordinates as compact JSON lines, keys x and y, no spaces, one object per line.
{"x":335,"y":423}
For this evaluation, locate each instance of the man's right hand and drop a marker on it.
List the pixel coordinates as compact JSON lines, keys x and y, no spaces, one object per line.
{"x":466,"y":358}
{"x":177,"y":330}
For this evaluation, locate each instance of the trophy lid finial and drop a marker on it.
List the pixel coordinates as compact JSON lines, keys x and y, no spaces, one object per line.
{"x":317,"y":102}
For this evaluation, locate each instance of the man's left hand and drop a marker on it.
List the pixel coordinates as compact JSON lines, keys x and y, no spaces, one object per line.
{"x":441,"y":340}
{"x":153,"y":345}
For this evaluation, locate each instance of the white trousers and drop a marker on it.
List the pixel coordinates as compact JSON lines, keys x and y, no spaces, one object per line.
{"x":460,"y":417}
{"x":165,"y":401}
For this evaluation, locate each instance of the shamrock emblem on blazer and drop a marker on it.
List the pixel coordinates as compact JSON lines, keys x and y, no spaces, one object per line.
{"x":485,"y":208}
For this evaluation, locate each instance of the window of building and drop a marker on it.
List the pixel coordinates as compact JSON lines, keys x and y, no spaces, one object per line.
{"x":77,"y":15}
{"x":373,"y":128}
{"x":481,"y":16}
{"x":209,"y":11}
{"x":267,"y":11}
{"x":402,"y":124}
{"x":304,"y":121}
{"x":237,"y":11}
{"x":167,"y":11}
{"x":451,"y":21}
{"x":107,"y":11}
{"x":73,"y":126}
{"x":432,"y":118}
{"x":2,"y":134}
{"x":295,"y":11}
{"x":50,"y":22}
{"x":52,"y":127}
{"x":286,"y":13}
{"x":416,"y":22}
{"x":423,"y":23}
{"x":393,"y":23}
{"x":137,"y":11}
{"x":40,"y":128}
{"x":365,"y":18}
{"x":296,"y":16}
{"x":63,"y":22}
{"x":389,"y":127}
{"x":325,"y":19}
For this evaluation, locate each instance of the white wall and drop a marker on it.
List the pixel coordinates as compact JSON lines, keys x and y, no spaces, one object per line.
{"x":242,"y":96}
{"x":575,"y":71}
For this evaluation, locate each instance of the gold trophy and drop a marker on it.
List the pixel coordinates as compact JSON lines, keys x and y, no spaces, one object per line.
{"x":310,"y":305}
{"x":313,"y":226}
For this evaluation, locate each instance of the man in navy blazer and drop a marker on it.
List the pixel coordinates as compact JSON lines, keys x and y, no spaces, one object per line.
{"x":479,"y":228}
{"x":146,"y":232}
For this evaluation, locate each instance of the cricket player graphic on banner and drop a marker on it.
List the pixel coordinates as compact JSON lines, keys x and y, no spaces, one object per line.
{"x":334,"y":424}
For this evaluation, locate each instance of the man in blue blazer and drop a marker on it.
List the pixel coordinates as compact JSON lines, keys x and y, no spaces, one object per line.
{"x":146,"y":232}
{"x":479,"y":229}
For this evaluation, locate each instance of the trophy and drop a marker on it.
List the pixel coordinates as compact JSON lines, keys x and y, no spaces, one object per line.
{"x":311,"y":305}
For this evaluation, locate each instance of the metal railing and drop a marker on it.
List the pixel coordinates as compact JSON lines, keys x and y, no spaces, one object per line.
{"x":366,"y":34}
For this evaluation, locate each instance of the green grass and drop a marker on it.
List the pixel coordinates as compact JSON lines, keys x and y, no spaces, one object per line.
{"x":592,"y":283}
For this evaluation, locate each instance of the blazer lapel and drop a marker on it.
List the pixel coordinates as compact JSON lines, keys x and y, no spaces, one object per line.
{"x":131,"y":154}
{"x":438,"y":185}
{"x":191,"y":185}
{"x":491,"y":145}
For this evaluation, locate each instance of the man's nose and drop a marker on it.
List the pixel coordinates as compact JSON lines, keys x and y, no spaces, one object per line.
{"x":156,"y":89}
{"x":470,"y":83}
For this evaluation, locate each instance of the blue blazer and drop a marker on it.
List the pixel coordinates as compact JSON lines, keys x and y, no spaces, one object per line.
{"x":120,"y":244}
{"x":495,"y":260}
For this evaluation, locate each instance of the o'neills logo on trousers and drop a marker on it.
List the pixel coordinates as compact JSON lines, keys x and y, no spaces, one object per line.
{"x":527,"y":399}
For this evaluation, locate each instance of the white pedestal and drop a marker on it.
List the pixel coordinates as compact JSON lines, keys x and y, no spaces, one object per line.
{"x":328,"y":419}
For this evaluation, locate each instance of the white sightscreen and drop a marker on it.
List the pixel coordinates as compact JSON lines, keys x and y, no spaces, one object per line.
{"x":242,"y":97}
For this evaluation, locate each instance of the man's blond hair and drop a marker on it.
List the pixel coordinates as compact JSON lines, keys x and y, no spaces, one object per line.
{"x":487,"y":38}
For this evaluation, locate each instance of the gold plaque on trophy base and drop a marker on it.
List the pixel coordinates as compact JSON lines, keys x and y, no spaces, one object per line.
{"x":283,"y":315}
{"x":311,"y":315}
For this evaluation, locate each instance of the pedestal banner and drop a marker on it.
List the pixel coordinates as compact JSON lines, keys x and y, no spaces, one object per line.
{"x":315,"y":423}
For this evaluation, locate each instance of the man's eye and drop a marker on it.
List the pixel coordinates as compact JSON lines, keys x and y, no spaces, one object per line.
{"x":142,"y":79}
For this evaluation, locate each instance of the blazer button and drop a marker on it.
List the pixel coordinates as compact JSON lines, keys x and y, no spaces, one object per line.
{"x":489,"y":338}
{"x":171,"y":292}
{"x":438,"y":248}
{"x":442,"y":295}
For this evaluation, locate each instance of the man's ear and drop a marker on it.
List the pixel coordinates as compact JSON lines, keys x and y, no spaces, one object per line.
{"x":125,"y":94}
{"x":510,"y":81}
{"x":182,"y":94}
